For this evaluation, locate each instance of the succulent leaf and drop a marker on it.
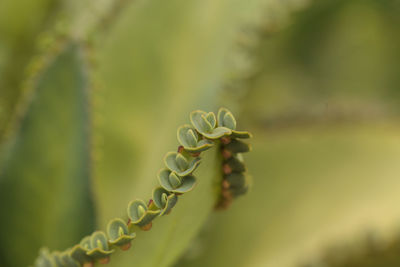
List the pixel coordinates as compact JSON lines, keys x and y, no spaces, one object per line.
{"x":187,"y":182}
{"x":45,"y":259}
{"x":85,"y":243}
{"x":99,"y":246}
{"x":177,"y":163}
{"x":174,"y":180}
{"x":139,"y":213}
{"x":58,"y":262}
{"x":236,"y":180}
{"x":189,"y":139}
{"x":235,"y":164}
{"x":238,"y":191}
{"x":218,"y":133}
{"x":181,"y":162}
{"x":226,"y":119}
{"x":164,"y":200}
{"x":229,"y":121}
{"x":79,"y":252}
{"x":118,"y":232}
{"x":192,"y":137}
{"x":202,"y":122}
{"x":211,"y":119}
{"x":68,"y":261}
{"x":237,"y":146}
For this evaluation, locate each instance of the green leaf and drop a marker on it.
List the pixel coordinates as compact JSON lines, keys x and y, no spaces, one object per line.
{"x":188,"y":138}
{"x":218,"y":133}
{"x":164,"y":200}
{"x":199,"y":120}
{"x":44,"y":174}
{"x":173,"y":183}
{"x":99,"y":246}
{"x":139,"y":213}
{"x":20,"y":24}
{"x":174,"y":161}
{"x":211,"y":119}
{"x":118,"y":232}
{"x":237,"y":146}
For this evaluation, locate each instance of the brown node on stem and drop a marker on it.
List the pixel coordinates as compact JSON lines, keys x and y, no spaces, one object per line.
{"x":225,"y":184}
{"x":126,"y":246}
{"x":227,"y":169}
{"x":147,"y":227}
{"x":104,"y":260}
{"x":226,"y":154}
{"x":226,"y":194}
{"x":195,"y":155}
{"x":180,"y":149}
{"x":225,"y":140}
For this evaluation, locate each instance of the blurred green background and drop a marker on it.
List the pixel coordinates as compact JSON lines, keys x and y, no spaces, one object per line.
{"x":91,"y":94}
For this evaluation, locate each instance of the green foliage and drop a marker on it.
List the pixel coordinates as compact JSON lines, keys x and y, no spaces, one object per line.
{"x":205,"y":123}
{"x":98,"y":248}
{"x":140,"y":215}
{"x":164,"y":200}
{"x":21,"y":23}
{"x":175,"y":180}
{"x":180,"y":164}
{"x":110,"y":154}
{"x":189,"y":139}
{"x":119,"y":234}
{"x":171,"y":181}
{"x":38,"y":184}
{"x":226,"y":119}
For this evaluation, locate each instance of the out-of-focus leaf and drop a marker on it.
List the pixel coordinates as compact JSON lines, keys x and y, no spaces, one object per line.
{"x":20,"y":23}
{"x":44,"y":176}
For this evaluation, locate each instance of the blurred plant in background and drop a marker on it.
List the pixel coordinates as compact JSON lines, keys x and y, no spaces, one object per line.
{"x":91,"y":93}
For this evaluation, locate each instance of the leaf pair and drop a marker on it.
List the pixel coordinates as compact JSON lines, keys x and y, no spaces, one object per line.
{"x":211,"y":128}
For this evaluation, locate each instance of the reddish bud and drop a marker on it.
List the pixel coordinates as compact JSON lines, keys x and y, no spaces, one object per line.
{"x":226,"y":154}
{"x":225,"y":184}
{"x":195,"y":155}
{"x":225,"y":140}
{"x":180,"y":149}
{"x":104,"y":260}
{"x":147,"y":227}
{"x":126,"y":246}
{"x":227,"y":169}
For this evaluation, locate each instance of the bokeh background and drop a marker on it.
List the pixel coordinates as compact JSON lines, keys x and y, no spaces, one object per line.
{"x":91,"y":94}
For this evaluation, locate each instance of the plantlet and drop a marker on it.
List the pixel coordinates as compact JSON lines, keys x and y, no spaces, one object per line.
{"x":119,"y":234}
{"x":176,"y":179}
